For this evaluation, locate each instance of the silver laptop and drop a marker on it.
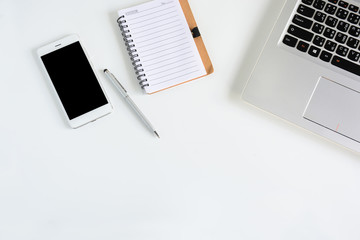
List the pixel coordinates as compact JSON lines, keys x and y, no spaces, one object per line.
{"x":309,"y":70}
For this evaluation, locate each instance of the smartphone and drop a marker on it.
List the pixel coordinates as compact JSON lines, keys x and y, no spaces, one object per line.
{"x":76,"y":85}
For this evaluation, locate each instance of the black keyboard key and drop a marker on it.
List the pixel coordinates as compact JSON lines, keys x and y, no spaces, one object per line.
{"x":303,"y":46}
{"x":330,"y":9}
{"x":318,"y":28}
{"x":319,"y":16}
{"x":354,"y":56}
{"x":319,"y":4}
{"x":342,"y":50}
{"x":308,"y":2}
{"x":343,"y":4}
{"x":319,"y":41}
{"x":342,"y":13}
{"x":354,"y":31}
{"x":352,"y":42}
{"x":346,"y":65}
{"x":334,"y":1}
{"x":331,"y":21}
{"x":306,"y":11}
{"x":314,"y":51}
{"x":325,"y":56}
{"x":290,"y":41}
{"x":353,"y":8}
{"x":341,"y":38}
{"x":300,"y":33}
{"x":330,"y":46}
{"x":353,"y":18}
{"x":343,"y":26}
{"x":301,"y":21}
{"x":329,"y":33}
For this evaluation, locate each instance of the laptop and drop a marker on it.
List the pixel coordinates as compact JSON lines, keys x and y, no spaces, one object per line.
{"x":309,"y":70}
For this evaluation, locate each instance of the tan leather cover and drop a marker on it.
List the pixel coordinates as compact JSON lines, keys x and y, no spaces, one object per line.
{"x":198,"y":41}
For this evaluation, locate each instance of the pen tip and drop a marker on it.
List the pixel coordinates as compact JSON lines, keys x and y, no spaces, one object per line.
{"x":105,"y":70}
{"x":156,"y":134}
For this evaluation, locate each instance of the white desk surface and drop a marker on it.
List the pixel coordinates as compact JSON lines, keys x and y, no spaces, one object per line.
{"x":221,"y":170}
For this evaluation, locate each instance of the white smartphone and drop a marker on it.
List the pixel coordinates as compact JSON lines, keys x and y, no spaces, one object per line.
{"x":74,"y":80}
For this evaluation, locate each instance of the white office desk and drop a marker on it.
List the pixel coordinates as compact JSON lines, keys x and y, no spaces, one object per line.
{"x":221,"y":170}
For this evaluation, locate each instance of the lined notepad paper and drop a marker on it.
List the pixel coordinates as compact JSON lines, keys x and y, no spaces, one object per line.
{"x":161,"y":38}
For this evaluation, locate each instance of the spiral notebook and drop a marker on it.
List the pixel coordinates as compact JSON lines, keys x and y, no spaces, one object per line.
{"x":164,"y":44}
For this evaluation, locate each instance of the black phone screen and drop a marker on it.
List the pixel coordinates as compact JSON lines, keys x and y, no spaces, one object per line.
{"x":74,"y":80}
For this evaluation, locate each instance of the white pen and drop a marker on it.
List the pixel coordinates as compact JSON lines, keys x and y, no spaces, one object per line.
{"x":129,"y":101}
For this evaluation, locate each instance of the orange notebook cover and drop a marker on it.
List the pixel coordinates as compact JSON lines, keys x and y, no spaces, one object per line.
{"x":198,"y":40}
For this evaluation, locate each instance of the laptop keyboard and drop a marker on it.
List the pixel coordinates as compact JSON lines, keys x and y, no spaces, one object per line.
{"x":328,"y":30}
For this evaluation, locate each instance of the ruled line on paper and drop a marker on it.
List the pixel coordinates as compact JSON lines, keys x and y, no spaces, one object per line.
{"x":150,"y":44}
{"x":154,"y":33}
{"x":148,"y":9}
{"x":169,"y":69}
{"x":170,"y":74}
{"x":152,"y":13}
{"x":157,"y":37}
{"x":169,"y":64}
{"x":165,"y":55}
{"x":164,"y":45}
{"x":149,"y":29}
{"x":157,"y":17}
{"x":171,"y":79}
{"x":151,"y":23}
{"x":165,"y":50}
{"x":155,"y":63}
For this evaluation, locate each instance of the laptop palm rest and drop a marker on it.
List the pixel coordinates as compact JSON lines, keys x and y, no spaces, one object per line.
{"x":335,"y":107}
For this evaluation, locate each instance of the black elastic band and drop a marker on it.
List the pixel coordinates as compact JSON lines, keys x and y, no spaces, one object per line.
{"x":195,"y":32}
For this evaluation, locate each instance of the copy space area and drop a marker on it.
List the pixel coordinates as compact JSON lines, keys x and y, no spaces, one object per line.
{"x":221,"y":170}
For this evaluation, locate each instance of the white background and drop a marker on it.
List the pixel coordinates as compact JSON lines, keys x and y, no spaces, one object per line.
{"x":221,"y":170}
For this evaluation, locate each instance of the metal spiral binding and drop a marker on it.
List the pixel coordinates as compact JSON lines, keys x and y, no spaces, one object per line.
{"x":130,"y":47}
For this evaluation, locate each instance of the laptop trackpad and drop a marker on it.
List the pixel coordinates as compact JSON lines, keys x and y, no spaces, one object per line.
{"x":335,"y":107}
